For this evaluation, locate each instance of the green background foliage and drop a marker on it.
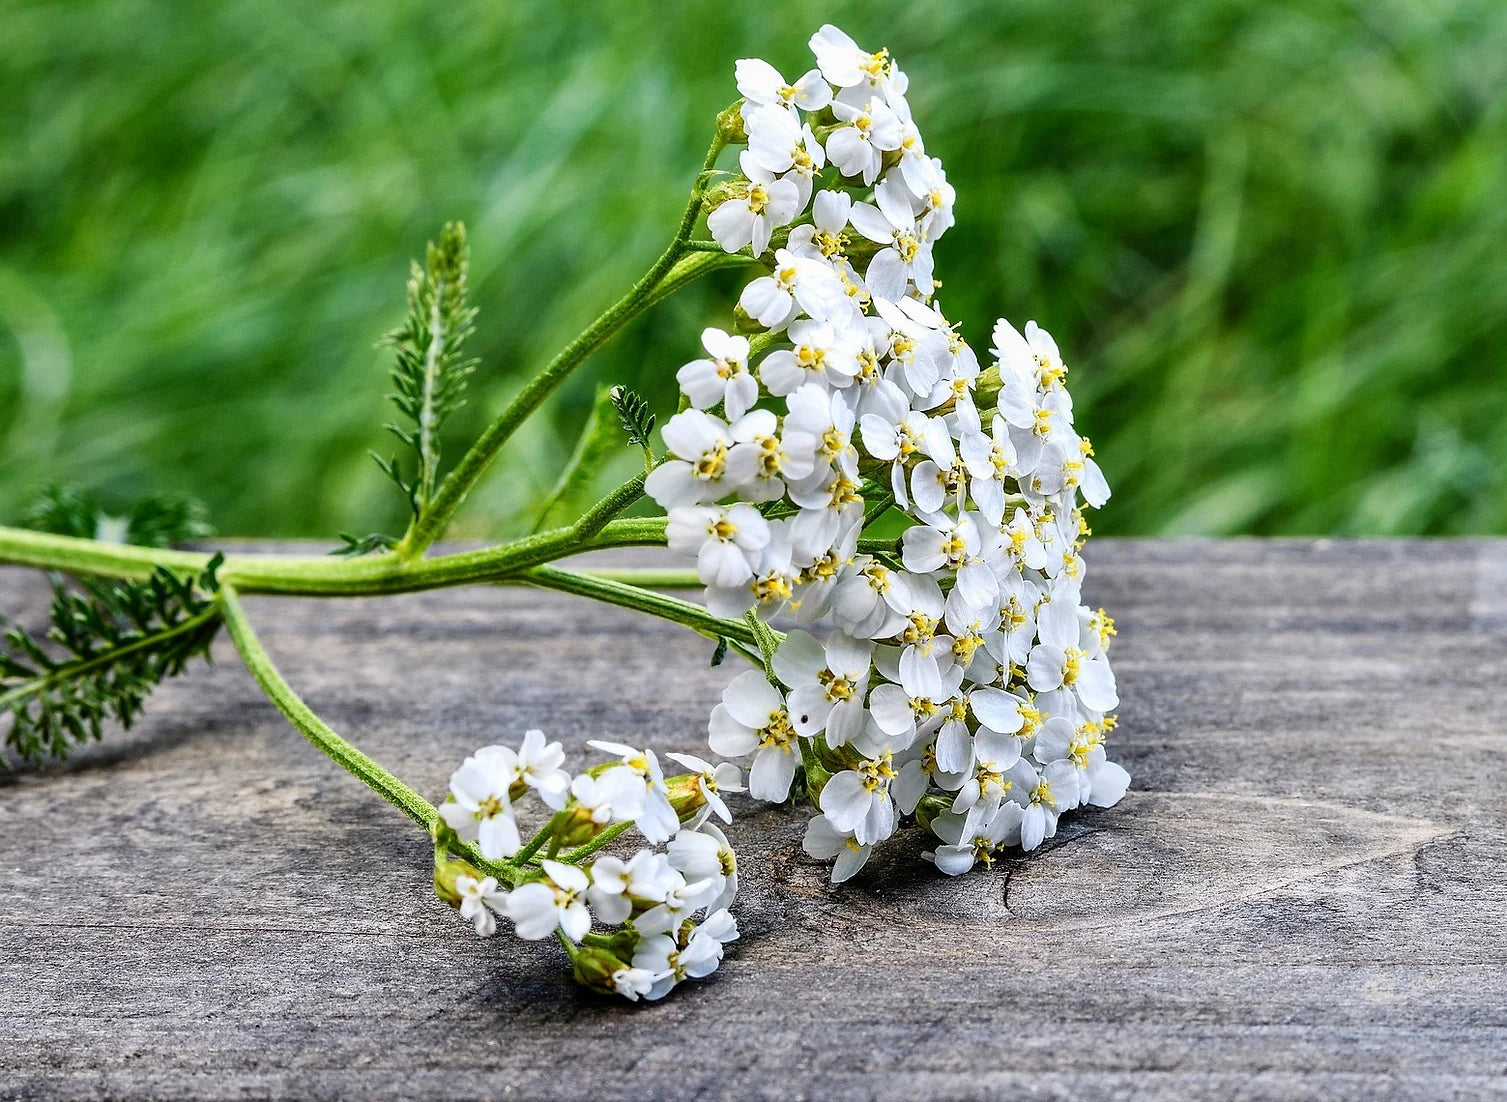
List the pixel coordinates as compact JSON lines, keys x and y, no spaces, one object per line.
{"x":1268,"y":236}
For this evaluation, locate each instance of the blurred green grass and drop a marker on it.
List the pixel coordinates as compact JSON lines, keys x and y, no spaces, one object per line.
{"x":1270,"y":237}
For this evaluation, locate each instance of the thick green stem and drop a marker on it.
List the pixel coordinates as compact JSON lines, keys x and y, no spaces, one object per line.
{"x":608,"y":509}
{"x":23,"y":547}
{"x":640,"y":600}
{"x":433,"y":521}
{"x":302,"y":717}
{"x":324,"y":576}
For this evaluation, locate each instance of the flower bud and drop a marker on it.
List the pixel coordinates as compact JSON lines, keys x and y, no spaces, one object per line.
{"x":987,"y":387}
{"x":686,"y":796}
{"x":576,"y":827}
{"x":445,"y":872}
{"x":722,"y":191}
{"x":594,"y":967}
{"x":743,"y":324}
{"x":730,"y":127}
{"x":928,"y":809}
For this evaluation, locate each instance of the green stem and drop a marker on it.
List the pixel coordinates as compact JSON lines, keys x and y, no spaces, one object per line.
{"x":640,"y":600}
{"x":546,"y":832}
{"x":608,"y":509}
{"x":302,"y":717}
{"x":577,"y":855}
{"x":23,"y":547}
{"x":433,"y":521}
{"x":324,"y":576}
{"x":649,"y":577}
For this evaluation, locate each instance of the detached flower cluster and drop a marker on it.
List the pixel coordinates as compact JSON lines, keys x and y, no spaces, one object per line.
{"x":635,"y":925}
{"x":957,"y":675}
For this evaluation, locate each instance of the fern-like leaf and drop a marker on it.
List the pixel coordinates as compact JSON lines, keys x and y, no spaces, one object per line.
{"x":158,"y":520}
{"x":64,"y":511}
{"x":634,"y":414}
{"x":355,"y":546}
{"x":109,"y":645}
{"x":430,"y":373}
{"x":162,"y":520}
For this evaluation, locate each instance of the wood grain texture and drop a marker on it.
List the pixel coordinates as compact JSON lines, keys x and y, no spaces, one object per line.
{"x":1303,"y":895}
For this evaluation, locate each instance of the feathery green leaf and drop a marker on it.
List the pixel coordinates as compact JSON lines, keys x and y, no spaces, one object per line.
{"x":157,"y":520}
{"x":633,"y":411}
{"x":430,"y":373}
{"x":109,"y":645}
{"x":371,"y":543}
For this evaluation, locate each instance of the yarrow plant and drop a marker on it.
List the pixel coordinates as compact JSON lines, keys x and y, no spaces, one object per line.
{"x":886,"y":529}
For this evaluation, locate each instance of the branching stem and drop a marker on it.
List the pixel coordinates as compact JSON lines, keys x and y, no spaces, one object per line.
{"x":433,"y":521}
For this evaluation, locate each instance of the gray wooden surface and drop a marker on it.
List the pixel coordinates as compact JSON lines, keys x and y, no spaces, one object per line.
{"x":1305,"y":893}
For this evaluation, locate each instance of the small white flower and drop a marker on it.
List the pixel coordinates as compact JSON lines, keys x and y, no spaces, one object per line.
{"x":779,"y":143}
{"x":823,"y":354}
{"x":633,"y":983}
{"x":937,"y":201}
{"x":706,"y":462}
{"x":712,"y":780}
{"x":757,"y":207}
{"x":824,"y":238}
{"x":798,"y":283}
{"x":825,"y":421}
{"x":858,"y":800}
{"x":920,"y":349}
{"x":1058,"y":661}
{"x":859,"y":601}
{"x":952,"y":545}
{"x":671,"y":963}
{"x":703,"y":855}
{"x":844,"y":64}
{"x":911,"y":704}
{"x":761,"y":84}
{"x":824,"y":842}
{"x":721,"y":377}
{"x":615,"y":796}
{"x":539,"y":764}
{"x":871,"y":130}
{"x":726,"y":540}
{"x":680,"y":900}
{"x":975,"y":836}
{"x":777,"y":456}
{"x":752,"y":719}
{"x":906,"y":257}
{"x":1056,"y":790}
{"x":656,"y":819}
{"x":481,"y":809}
{"x":478,"y":899}
{"x":826,"y":683}
{"x":540,"y":906}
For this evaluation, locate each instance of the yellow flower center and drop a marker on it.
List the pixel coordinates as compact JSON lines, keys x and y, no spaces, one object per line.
{"x":1072,"y":665}
{"x":710,"y":466}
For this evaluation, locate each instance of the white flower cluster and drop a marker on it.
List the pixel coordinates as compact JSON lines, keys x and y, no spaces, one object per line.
{"x":958,"y":675}
{"x":669,"y":906}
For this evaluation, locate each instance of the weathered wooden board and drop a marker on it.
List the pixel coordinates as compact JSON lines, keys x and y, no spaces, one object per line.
{"x":1304,"y":894}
